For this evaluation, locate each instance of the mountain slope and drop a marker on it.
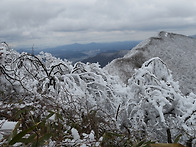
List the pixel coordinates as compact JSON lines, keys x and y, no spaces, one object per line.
{"x":106,"y":57}
{"x":177,"y":51}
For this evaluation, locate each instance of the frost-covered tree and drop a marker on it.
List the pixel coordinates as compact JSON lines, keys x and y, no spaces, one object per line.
{"x":156,"y":108}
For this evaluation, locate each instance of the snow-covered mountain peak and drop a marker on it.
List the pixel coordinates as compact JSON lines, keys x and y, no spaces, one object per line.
{"x":176,"y":50}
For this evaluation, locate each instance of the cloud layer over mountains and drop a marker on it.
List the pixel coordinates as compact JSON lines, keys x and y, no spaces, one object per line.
{"x":58,"y":22}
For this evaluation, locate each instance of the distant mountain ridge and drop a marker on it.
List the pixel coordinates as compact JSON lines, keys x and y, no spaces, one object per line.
{"x":78,"y":52}
{"x":194,"y":36}
{"x":176,"y":50}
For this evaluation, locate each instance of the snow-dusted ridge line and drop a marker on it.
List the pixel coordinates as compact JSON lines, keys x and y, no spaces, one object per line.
{"x":176,"y":50}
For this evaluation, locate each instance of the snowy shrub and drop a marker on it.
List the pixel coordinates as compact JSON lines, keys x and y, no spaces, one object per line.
{"x":156,"y":108}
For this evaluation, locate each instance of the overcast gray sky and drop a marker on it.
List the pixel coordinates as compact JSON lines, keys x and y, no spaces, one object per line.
{"x":56,"y":22}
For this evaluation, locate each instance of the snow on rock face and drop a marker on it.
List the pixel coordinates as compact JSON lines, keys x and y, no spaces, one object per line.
{"x":177,"y":51}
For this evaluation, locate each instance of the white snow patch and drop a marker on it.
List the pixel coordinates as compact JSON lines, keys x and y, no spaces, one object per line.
{"x":7,"y":125}
{"x":75,"y":134}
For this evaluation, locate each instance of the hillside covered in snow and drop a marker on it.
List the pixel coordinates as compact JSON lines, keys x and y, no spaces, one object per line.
{"x":55,"y":103}
{"x":176,"y":50}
